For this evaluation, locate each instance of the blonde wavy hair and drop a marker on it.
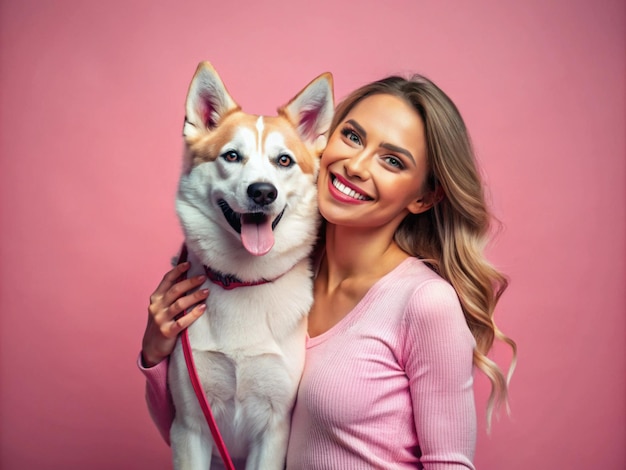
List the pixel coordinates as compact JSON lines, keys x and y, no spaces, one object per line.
{"x":452,"y":235}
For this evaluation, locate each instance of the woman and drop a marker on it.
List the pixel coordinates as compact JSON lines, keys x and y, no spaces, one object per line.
{"x":404,"y":298}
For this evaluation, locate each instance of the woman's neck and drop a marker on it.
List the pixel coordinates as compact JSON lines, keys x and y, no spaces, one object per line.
{"x":356,"y":253}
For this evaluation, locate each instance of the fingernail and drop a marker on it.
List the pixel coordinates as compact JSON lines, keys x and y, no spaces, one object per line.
{"x":204,"y":291}
{"x":201,"y":278}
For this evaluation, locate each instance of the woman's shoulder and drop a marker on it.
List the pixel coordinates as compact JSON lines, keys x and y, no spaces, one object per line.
{"x":428,"y":294}
{"x":414,"y":288}
{"x":416,"y":274}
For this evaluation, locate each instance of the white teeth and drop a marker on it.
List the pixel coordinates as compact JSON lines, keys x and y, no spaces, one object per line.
{"x":347,"y":191}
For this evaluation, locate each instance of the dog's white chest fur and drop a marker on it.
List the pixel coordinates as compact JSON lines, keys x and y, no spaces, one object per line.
{"x":247,"y":203}
{"x":249,"y":352}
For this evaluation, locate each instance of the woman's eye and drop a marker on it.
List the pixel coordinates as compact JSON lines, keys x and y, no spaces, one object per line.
{"x":351,"y":135}
{"x":285,"y":160}
{"x":231,"y":156}
{"x":394,"y":162}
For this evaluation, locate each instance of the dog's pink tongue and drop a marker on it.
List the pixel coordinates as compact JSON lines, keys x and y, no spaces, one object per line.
{"x":256,"y":234}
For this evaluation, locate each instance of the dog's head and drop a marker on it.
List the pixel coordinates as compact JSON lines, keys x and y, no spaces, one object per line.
{"x":253,"y":177}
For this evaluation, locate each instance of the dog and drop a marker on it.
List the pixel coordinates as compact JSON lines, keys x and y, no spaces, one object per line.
{"x":247,"y":203}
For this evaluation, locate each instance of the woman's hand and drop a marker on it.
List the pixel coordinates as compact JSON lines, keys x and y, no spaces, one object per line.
{"x":165,"y":321}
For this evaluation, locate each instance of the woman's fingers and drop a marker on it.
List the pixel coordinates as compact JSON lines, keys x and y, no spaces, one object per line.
{"x":178,"y":290}
{"x":183,"y":303}
{"x":159,"y":339}
{"x":169,"y":299}
{"x":168,"y":281}
{"x":165,"y":313}
{"x":184,"y":321}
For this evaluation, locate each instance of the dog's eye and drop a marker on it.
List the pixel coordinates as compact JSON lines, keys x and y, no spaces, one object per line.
{"x":285,"y":160}
{"x":231,"y":156}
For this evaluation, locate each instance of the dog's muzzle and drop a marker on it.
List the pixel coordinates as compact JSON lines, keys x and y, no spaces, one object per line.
{"x":256,"y":228}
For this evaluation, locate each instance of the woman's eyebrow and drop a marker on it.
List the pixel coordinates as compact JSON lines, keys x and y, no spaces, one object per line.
{"x":358,"y":127}
{"x":395,"y":148}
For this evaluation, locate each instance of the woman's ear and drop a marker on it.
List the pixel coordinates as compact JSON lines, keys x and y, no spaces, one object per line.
{"x":419,"y":206}
{"x":427,"y":201}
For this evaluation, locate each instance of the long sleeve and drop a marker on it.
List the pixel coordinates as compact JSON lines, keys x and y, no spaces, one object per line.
{"x":438,"y":354}
{"x":158,"y":397}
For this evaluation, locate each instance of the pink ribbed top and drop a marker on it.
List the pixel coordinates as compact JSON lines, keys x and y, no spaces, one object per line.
{"x":389,"y":386}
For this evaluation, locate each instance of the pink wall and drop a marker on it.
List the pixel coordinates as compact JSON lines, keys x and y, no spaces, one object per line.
{"x":91,"y":113}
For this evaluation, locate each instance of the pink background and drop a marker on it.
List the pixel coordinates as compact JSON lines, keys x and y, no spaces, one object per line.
{"x":92,"y":100}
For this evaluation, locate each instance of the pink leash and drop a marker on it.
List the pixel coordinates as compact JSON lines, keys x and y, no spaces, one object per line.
{"x":197,"y":386}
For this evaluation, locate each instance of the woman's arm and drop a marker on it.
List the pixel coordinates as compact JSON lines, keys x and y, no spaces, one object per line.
{"x":158,"y":397}
{"x":163,"y":327}
{"x":439,"y":364}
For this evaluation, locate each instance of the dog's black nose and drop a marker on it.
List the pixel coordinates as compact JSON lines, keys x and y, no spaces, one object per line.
{"x":262,"y":193}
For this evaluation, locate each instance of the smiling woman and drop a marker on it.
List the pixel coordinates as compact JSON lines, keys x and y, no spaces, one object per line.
{"x":416,"y":115}
{"x":398,"y":182}
{"x":375,"y":166}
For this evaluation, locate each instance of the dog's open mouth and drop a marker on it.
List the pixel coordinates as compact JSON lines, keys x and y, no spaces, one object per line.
{"x":256,"y":228}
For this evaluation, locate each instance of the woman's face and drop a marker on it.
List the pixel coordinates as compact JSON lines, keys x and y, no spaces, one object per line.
{"x":374,"y":166}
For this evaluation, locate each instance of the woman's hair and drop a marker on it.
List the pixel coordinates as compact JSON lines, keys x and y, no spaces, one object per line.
{"x":450,"y":236}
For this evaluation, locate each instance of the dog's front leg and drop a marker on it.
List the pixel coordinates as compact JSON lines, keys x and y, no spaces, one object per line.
{"x":190,"y":449}
{"x":270,"y":451}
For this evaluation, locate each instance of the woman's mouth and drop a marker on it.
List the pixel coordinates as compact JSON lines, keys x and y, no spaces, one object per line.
{"x":349,"y":192}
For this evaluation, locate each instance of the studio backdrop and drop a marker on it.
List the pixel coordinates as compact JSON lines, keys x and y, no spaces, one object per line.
{"x":91,"y":112}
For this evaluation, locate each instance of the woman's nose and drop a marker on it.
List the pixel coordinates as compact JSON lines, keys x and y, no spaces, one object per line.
{"x":358,"y":165}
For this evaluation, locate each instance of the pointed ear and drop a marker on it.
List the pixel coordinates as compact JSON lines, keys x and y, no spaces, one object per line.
{"x":311,"y":111}
{"x":207,"y":101}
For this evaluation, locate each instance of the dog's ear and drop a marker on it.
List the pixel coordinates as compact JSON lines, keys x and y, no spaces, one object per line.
{"x":311,"y":111}
{"x":207,"y":101}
